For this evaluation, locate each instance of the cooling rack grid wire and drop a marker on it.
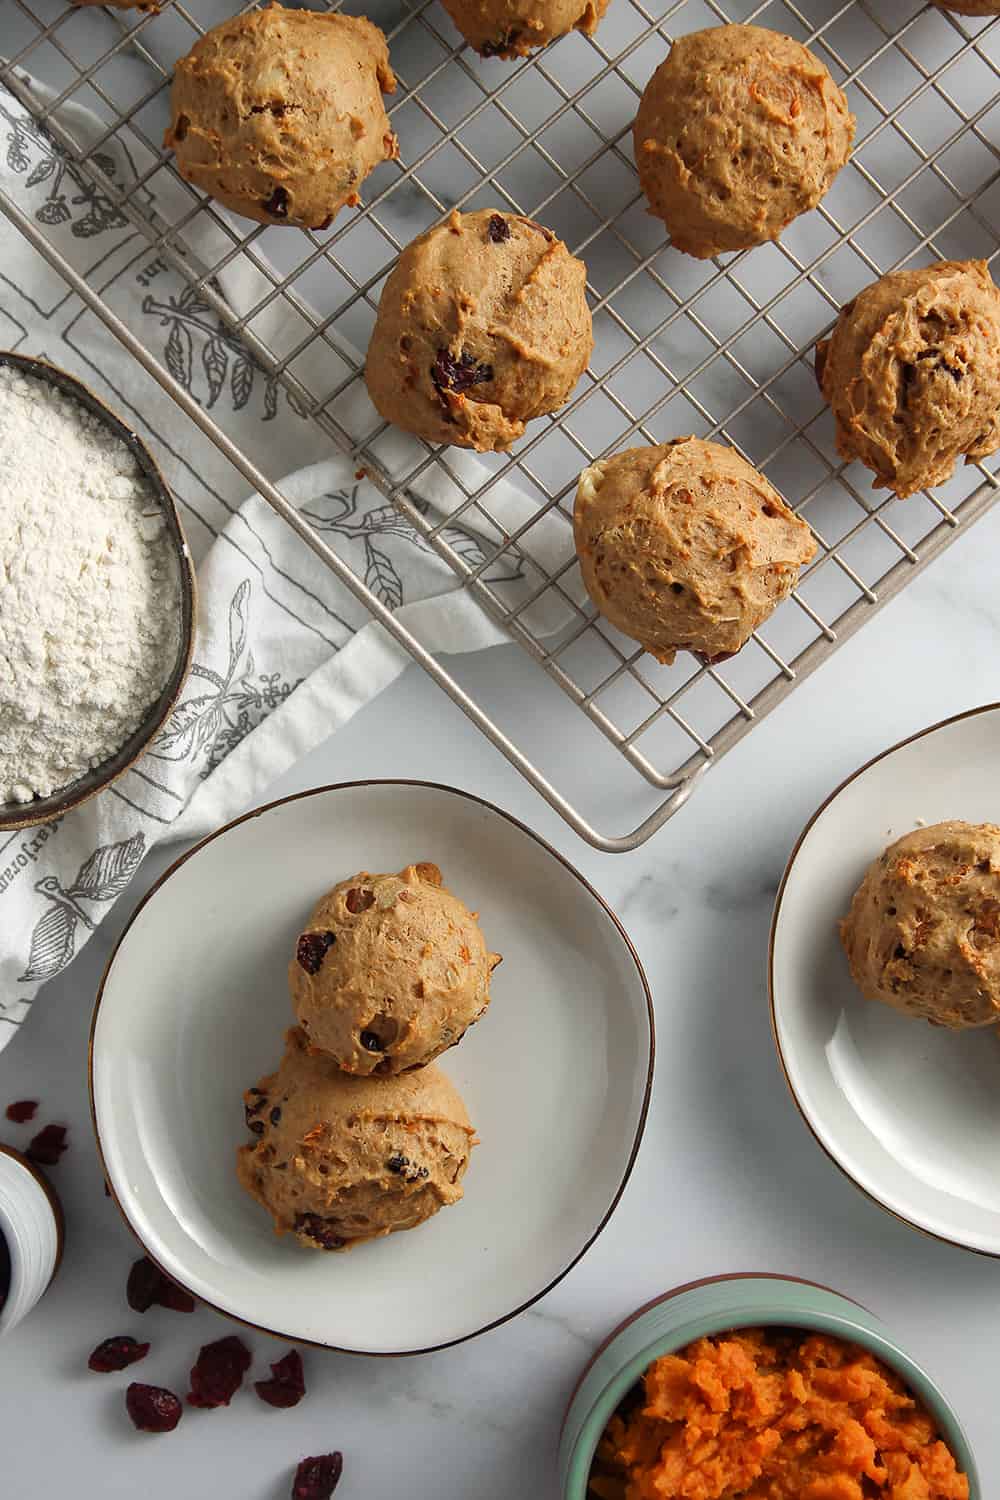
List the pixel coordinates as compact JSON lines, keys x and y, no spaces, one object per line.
{"x":721,"y":348}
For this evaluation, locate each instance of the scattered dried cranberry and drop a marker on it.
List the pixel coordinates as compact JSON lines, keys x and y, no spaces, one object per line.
{"x":22,"y":1110}
{"x":451,"y":374}
{"x":116,"y":1354}
{"x":47,"y":1146}
{"x":148,"y":1287}
{"x":287,"y":1385}
{"x":152,"y":1408}
{"x":317,"y":1478}
{"x":312,"y":948}
{"x":358,"y":900}
{"x":499,"y":229}
{"x":218,"y":1372}
{"x":323,"y":1231}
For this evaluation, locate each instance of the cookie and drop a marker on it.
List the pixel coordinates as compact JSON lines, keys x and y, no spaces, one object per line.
{"x":970,"y":7}
{"x":513,"y":28}
{"x":685,"y":546}
{"x":278,"y":113}
{"x":483,"y":324}
{"x":738,"y":131}
{"x":912,"y":373}
{"x":923,"y":931}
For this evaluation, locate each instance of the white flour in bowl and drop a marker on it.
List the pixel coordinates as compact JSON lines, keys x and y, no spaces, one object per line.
{"x":89,"y":590}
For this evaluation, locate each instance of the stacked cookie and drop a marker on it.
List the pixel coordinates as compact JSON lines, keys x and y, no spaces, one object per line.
{"x":357,"y":1133}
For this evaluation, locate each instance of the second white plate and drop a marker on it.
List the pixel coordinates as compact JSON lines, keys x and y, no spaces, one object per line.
{"x":556,"y":1076}
{"x":909,"y":1111}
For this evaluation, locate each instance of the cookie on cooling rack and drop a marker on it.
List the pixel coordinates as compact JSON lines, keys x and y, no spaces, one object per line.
{"x":279,"y":115}
{"x":685,"y":546}
{"x":912,"y":373}
{"x":483,"y":324}
{"x":738,"y":131}
{"x":513,"y":28}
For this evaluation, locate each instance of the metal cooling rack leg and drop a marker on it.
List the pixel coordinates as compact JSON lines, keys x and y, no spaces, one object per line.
{"x":409,"y":642}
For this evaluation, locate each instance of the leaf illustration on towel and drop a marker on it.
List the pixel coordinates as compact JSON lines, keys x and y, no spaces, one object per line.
{"x":238,"y":624}
{"x":381,"y":577}
{"x":105,"y":875}
{"x":189,"y":727}
{"x":242,"y":381}
{"x":178,"y":355}
{"x":215,"y":362}
{"x":52,"y":944}
{"x":40,"y":171}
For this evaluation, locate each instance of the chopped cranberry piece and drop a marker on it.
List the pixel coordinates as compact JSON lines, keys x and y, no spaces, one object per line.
{"x":148,"y":1287}
{"x":499,"y":229}
{"x":152,"y":1408}
{"x":116,"y":1354}
{"x":47,"y":1146}
{"x":323,"y":1231}
{"x":312,"y":948}
{"x":451,"y":374}
{"x":22,"y":1110}
{"x":218,"y":1372}
{"x":317,"y":1478}
{"x":358,"y":900}
{"x":287,"y":1385}
{"x":277,"y":204}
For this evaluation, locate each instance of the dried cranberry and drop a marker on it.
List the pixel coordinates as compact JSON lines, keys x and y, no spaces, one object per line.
{"x":148,"y":1287}
{"x":275,"y":1115}
{"x":287,"y":1385}
{"x":218,"y":1372}
{"x":22,"y":1110}
{"x":451,"y":374}
{"x":410,"y":1171}
{"x":323,"y":1231}
{"x":358,"y":900}
{"x":116,"y":1354}
{"x":152,"y":1408}
{"x":371,"y":1042}
{"x":277,"y":204}
{"x":47,"y":1146}
{"x":499,"y":229}
{"x":317,"y":1478}
{"x":257,"y":1126}
{"x":312,"y":948}
{"x":501,"y":46}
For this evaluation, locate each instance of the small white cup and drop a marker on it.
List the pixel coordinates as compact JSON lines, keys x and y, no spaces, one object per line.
{"x":31,"y":1223}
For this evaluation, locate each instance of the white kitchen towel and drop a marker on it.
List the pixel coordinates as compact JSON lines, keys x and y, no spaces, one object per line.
{"x":284,"y":654}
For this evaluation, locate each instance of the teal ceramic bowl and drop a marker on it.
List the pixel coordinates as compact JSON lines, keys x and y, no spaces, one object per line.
{"x":715,"y":1306}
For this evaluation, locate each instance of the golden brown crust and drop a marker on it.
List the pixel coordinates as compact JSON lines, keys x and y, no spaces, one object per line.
{"x":738,"y":131}
{"x":338,"y":1160}
{"x":685,"y":546}
{"x":278,"y":113}
{"x":515,"y":28}
{"x":923,"y":931}
{"x":391,"y":970}
{"x":483,"y":324}
{"x":912,"y":373}
{"x":970,"y":7}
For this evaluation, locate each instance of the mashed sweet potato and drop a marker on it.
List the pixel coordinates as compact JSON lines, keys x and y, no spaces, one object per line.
{"x":759,"y":1414}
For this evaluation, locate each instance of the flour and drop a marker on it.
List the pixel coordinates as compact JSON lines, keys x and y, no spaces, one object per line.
{"x":89,"y":591}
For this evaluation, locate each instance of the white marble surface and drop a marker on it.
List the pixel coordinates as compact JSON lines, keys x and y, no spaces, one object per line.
{"x":728,"y":1178}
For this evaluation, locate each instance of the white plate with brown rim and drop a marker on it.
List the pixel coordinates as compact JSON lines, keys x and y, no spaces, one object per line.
{"x":909,"y":1111}
{"x":556,"y":1076}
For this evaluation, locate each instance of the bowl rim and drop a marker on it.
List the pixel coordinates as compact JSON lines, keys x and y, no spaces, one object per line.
{"x":482,"y":802}
{"x":877,"y":1341}
{"x":873,"y":1197}
{"x":53,"y":1199}
{"x":15,"y":816}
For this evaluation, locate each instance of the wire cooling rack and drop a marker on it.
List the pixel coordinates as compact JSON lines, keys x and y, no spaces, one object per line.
{"x":721,"y":349}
